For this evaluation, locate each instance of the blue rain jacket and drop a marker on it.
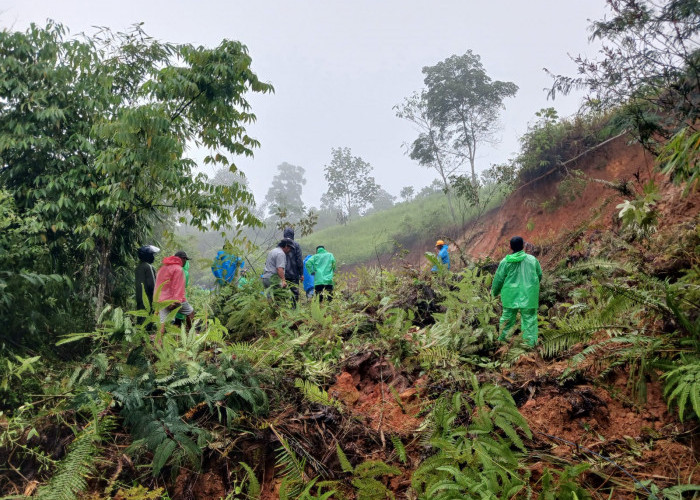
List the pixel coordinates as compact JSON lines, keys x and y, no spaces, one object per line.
{"x":224,"y":267}
{"x":308,"y":278}
{"x":444,"y":257}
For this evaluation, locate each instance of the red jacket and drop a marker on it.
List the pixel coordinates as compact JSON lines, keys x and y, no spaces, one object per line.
{"x":172,"y":278}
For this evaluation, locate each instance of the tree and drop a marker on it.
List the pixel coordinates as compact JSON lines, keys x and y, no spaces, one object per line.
{"x":285,"y":191}
{"x":93,"y":136}
{"x":432,"y":148}
{"x":407,"y":193}
{"x":649,"y":62}
{"x":464,"y":103}
{"x":350,"y":187}
{"x":382,"y":201}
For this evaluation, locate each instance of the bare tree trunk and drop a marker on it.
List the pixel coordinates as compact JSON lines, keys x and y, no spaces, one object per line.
{"x":103,"y":266}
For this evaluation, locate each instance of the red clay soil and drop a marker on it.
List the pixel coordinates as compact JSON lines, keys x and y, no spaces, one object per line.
{"x":382,"y":397}
{"x":538,"y":213}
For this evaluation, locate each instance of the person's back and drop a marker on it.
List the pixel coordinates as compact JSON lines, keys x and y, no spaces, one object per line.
{"x":145,"y":275}
{"x":295,"y":266}
{"x":518,"y":278}
{"x":517,"y":281}
{"x":172,"y":279}
{"x":322,"y":266}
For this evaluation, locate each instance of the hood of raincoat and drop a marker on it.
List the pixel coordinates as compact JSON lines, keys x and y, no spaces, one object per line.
{"x":516,"y":257}
{"x":172,"y":260}
{"x":321,"y":250}
{"x":288,"y":233}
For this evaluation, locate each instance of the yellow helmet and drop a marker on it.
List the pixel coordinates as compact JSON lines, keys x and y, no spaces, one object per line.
{"x":439,"y":243}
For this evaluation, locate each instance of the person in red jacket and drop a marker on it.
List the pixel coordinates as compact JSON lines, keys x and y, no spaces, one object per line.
{"x":172,"y":278}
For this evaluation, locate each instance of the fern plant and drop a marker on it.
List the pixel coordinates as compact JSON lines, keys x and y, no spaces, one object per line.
{"x":365,"y":476}
{"x":70,"y":477}
{"x":683,"y":387}
{"x":475,"y":458}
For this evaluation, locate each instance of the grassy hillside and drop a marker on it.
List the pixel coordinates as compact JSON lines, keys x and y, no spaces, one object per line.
{"x":405,"y":224}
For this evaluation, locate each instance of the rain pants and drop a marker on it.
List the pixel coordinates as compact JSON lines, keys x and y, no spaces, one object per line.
{"x":322,"y":266}
{"x":517,"y":281}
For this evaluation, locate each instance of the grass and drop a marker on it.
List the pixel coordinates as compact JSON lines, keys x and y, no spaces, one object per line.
{"x":362,"y":239}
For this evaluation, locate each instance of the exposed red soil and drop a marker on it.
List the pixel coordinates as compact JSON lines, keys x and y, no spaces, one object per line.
{"x":380,"y":395}
{"x":539,"y":213}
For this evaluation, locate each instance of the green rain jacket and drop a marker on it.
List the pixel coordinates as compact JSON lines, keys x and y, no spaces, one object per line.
{"x":517,"y":280}
{"x":322,"y":266}
{"x":186,"y":271}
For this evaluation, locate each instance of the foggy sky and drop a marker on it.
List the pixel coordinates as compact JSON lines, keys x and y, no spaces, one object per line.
{"x":339,"y":67}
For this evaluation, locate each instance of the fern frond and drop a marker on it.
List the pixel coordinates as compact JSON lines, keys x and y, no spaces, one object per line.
{"x":70,"y":477}
{"x":345,"y":464}
{"x":253,"y":484}
{"x":400,"y":449}
{"x":316,"y":394}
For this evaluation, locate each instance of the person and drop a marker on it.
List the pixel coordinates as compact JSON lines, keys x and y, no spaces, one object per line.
{"x":186,"y":271}
{"x":441,"y":249}
{"x":294,"y":270}
{"x":242,"y":279}
{"x":145,"y":277}
{"x":273,"y":273}
{"x":322,"y":267}
{"x":171,"y":282}
{"x":517,"y":281}
{"x":308,"y":279}
{"x":225,"y":266}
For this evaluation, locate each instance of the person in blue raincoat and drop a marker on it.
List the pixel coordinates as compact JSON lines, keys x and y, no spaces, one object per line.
{"x":225,"y":266}
{"x":308,"y":279}
{"x":442,"y":254}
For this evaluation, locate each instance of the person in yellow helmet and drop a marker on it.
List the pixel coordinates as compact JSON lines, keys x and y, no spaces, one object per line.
{"x":517,"y":281}
{"x":442,"y":253}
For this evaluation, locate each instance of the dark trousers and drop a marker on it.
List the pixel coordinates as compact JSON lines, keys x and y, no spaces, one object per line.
{"x":294,"y":288}
{"x":324,"y":291}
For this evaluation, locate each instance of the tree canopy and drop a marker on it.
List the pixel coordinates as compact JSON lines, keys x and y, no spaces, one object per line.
{"x":464,"y":103}
{"x":285,"y":191}
{"x":94,"y":137}
{"x":351,"y":188}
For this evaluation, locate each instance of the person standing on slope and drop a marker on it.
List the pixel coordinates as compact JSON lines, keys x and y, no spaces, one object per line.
{"x":517,"y":281}
{"x":322,"y":266}
{"x":441,"y":249}
{"x":171,"y":281}
{"x":308,"y":279}
{"x":273,"y":273}
{"x":145,"y":277}
{"x":294,"y":271}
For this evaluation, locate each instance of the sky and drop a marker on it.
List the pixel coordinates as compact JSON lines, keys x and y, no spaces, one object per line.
{"x":338,"y":67}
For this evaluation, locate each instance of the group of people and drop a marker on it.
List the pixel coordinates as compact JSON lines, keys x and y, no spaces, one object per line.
{"x":171,"y":282}
{"x":517,"y":279}
{"x":285,"y":267}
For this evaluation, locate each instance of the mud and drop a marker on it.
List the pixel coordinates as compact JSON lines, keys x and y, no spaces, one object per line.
{"x":382,"y":397}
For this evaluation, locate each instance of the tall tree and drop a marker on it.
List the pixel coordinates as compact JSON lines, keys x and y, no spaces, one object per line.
{"x":285,"y":191}
{"x":351,"y":188}
{"x":433,"y":147}
{"x":93,"y":135}
{"x":463,"y":101}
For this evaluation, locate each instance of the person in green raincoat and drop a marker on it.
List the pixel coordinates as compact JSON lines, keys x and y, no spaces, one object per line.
{"x":186,"y":271}
{"x":517,"y":281}
{"x":322,"y":267}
